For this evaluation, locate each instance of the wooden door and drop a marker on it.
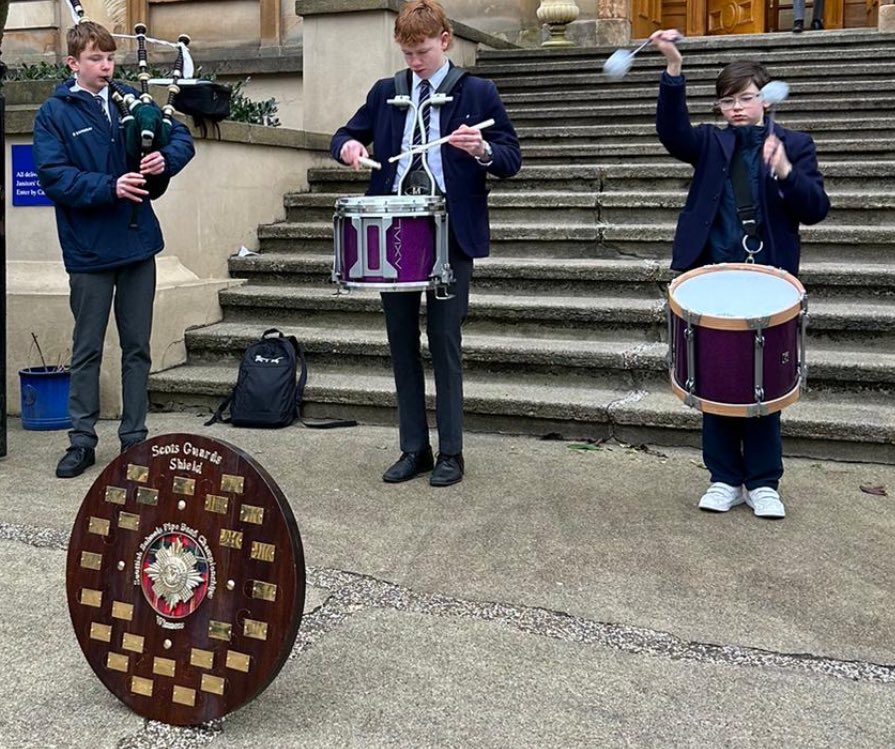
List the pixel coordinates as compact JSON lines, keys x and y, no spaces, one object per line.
{"x":646,"y":17}
{"x":735,"y":16}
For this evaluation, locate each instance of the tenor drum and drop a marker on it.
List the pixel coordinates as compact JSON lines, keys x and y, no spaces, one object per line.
{"x":736,"y":338}
{"x":391,"y":243}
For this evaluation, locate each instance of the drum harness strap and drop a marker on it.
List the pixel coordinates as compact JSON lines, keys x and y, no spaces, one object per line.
{"x":747,"y":215}
{"x":421,"y":180}
{"x":746,"y":209}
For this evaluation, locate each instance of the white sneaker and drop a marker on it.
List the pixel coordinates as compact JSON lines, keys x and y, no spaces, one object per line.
{"x":765,"y":502}
{"x":720,"y":497}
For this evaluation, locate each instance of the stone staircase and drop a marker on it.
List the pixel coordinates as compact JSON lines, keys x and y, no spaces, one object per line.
{"x":566,"y":331}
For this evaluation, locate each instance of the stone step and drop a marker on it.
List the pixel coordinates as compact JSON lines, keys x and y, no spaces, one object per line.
{"x":821,"y":425}
{"x":607,"y":207}
{"x":867,"y":323}
{"x":590,"y":112}
{"x":589,"y":74}
{"x":592,"y":277}
{"x":601,"y":363}
{"x":697,"y":94}
{"x":836,"y":45}
{"x":663,"y":174}
{"x":644,"y":240}
{"x":839,"y":149}
{"x":869,"y":127}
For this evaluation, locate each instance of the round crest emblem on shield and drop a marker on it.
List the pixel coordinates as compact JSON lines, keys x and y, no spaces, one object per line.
{"x":185,"y":578}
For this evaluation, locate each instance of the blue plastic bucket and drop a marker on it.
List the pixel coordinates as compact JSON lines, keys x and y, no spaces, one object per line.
{"x":45,"y":398}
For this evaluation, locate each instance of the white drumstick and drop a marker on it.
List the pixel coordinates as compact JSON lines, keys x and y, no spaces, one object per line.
{"x":364,"y":161}
{"x":427,"y":146}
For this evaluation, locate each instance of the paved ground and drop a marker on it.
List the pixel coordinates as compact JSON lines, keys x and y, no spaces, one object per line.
{"x":558,"y":597}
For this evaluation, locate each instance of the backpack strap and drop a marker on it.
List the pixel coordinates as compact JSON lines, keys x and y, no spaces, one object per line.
{"x":300,"y":392}
{"x":218,"y":416}
{"x":454,"y":74}
{"x":402,"y":82}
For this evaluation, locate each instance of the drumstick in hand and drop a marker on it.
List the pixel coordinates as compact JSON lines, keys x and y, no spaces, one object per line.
{"x":427,"y":146}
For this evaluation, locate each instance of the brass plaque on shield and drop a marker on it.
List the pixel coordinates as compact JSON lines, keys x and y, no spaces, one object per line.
{"x":179,"y":606}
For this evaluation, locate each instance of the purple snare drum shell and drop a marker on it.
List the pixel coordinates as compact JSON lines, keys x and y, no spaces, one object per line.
{"x":391,"y":243}
{"x":410,"y":250}
{"x":724,"y":343}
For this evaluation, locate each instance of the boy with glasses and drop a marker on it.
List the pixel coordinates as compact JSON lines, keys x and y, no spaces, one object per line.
{"x":744,"y":455}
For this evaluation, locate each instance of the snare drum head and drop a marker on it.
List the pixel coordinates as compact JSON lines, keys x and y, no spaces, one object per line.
{"x":397,"y":205}
{"x":737,"y":293}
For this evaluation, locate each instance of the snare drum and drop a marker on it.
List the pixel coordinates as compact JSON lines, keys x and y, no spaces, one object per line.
{"x":736,"y":338}
{"x":391,"y":243}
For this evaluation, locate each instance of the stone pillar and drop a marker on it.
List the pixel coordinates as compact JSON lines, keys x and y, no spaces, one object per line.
{"x":557,"y":14}
{"x":348,"y":45}
{"x":886,"y":18}
{"x":613,"y":22}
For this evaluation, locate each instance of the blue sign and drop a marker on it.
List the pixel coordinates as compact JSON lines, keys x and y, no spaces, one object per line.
{"x":25,"y":188}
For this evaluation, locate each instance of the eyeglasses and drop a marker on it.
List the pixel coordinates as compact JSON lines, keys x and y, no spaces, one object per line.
{"x":729,"y":102}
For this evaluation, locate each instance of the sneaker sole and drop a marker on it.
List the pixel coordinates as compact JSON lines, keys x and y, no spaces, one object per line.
{"x":766,"y":515}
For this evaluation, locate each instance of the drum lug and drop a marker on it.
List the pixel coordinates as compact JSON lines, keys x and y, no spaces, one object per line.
{"x":690,"y":335}
{"x":669,"y":355}
{"x":758,"y":370}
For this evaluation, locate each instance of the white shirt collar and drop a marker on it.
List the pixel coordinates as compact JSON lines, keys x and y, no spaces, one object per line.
{"x":435,"y":79}
{"x":103,"y":92}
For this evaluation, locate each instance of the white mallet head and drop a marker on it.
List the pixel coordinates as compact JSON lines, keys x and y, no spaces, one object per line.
{"x":775,"y":92}
{"x":618,"y":64}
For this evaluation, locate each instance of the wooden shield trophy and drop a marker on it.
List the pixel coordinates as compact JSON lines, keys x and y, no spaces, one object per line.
{"x":185,"y":578}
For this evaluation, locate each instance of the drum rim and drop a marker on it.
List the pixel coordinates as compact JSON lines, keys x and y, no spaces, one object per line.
{"x":736,"y":323}
{"x":390,"y":205}
{"x":720,"y":408}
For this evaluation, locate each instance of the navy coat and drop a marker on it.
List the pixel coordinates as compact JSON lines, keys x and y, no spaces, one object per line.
{"x":784,"y":203}
{"x":474,"y":100}
{"x":79,"y":157}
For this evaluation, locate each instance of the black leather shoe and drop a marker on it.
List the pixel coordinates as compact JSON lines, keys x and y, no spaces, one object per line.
{"x":448,"y":470}
{"x":817,"y":25}
{"x":75,"y":461}
{"x":798,"y":26}
{"x":408,"y":466}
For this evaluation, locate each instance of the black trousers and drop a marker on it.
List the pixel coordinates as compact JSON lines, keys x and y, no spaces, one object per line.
{"x":743,"y":451}
{"x":443,"y":320}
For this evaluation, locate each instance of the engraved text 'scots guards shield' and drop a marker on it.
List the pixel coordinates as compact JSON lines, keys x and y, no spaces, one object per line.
{"x":185,"y":578}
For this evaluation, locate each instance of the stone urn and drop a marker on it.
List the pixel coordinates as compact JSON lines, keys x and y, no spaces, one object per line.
{"x":557,"y":14}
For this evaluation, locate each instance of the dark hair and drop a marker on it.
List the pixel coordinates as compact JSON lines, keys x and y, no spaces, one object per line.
{"x":738,"y":75}
{"x":86,"y":33}
{"x":419,"y":20}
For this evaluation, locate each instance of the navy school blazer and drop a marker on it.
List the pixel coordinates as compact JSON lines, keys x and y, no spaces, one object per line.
{"x":474,"y":100}
{"x":784,"y":203}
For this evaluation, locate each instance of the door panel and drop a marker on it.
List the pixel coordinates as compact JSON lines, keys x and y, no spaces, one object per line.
{"x":735,"y":16}
{"x":646,"y":17}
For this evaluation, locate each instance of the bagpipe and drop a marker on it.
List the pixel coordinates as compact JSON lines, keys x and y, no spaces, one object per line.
{"x":146,"y":127}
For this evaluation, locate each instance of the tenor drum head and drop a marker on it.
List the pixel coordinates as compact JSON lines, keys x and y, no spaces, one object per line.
{"x":185,"y":578}
{"x":720,"y":295}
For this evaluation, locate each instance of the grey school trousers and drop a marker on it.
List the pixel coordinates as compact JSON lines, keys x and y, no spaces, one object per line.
{"x":131,"y":288}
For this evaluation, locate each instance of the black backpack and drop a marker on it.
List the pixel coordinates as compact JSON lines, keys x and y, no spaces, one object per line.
{"x":266,"y":393}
